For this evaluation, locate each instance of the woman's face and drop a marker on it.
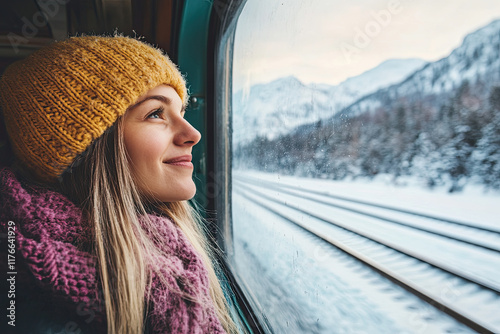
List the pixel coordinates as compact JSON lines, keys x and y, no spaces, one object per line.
{"x":159,"y":141}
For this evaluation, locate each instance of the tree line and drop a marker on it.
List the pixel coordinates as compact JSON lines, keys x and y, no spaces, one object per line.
{"x":452,"y":143}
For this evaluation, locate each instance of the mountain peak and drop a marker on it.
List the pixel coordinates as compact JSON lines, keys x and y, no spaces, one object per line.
{"x":388,"y":72}
{"x":290,"y":80}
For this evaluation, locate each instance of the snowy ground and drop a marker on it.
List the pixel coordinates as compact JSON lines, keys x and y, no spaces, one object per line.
{"x":306,"y":286}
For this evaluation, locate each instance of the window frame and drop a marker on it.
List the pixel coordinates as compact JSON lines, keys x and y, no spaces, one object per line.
{"x":223,"y":21}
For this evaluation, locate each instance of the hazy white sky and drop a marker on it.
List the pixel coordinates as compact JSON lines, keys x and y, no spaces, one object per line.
{"x":328,"y":41}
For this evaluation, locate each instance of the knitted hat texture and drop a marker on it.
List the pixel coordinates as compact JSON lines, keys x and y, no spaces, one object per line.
{"x":61,"y":98}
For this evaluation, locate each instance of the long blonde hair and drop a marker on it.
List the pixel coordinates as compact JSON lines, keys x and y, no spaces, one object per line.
{"x":101,"y":181}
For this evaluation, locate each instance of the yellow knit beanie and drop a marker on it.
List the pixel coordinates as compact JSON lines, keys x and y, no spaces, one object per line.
{"x":58,"y":100}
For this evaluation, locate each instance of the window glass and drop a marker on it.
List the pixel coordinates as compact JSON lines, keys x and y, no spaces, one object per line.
{"x":366,"y":165}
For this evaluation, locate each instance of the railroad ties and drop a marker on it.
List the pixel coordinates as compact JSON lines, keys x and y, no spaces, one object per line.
{"x":449,"y":264}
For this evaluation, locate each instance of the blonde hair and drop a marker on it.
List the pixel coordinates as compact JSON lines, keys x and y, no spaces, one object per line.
{"x":101,"y":181}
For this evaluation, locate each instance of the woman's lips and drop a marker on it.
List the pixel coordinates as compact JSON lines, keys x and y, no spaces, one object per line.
{"x":183,"y":161}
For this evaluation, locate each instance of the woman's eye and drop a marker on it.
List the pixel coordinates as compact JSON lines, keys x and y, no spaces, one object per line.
{"x":156,"y":114}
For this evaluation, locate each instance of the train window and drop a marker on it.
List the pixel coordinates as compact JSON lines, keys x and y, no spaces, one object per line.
{"x":365,"y":158}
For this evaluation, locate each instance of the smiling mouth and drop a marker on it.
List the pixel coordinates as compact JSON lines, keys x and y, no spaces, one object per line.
{"x":182,"y":161}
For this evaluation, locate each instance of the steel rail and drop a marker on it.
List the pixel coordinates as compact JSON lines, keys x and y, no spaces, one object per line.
{"x":395,"y":278}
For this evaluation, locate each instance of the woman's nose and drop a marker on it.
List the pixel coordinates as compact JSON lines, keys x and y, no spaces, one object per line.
{"x":187,"y":134}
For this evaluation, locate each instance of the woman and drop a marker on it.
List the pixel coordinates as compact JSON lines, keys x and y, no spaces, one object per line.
{"x":95,"y":201}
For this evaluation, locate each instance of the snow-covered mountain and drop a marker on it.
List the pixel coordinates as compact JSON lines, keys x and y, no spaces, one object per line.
{"x":440,"y":125}
{"x":274,"y":108}
{"x":387,"y":73}
{"x":476,"y":61}
{"x":277,"y":107}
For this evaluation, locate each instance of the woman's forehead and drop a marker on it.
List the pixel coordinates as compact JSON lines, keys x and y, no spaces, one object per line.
{"x":162,"y":93}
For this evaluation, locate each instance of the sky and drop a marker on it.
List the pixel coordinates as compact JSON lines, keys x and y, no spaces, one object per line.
{"x":328,"y":41}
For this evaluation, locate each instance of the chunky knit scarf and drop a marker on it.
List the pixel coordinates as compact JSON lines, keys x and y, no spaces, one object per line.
{"x":53,"y":269}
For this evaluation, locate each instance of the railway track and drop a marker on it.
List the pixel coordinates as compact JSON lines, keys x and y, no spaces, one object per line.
{"x":473,"y":301}
{"x":468,"y":233}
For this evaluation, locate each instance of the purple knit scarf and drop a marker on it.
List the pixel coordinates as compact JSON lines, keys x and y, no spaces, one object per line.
{"x":51,"y":260}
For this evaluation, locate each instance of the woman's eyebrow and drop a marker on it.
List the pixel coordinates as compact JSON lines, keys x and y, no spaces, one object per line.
{"x":160,"y":98}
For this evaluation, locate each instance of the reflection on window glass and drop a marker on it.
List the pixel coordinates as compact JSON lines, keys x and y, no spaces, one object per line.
{"x":366,"y":165}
